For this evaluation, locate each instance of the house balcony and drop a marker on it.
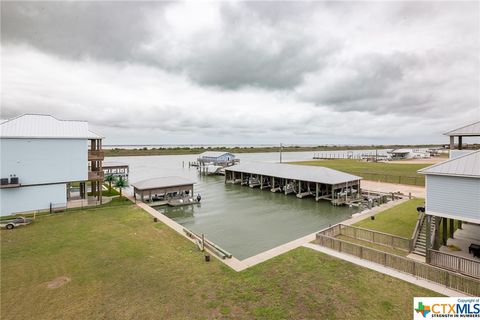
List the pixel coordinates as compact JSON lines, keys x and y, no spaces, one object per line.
{"x":95,"y":175}
{"x":95,"y":155}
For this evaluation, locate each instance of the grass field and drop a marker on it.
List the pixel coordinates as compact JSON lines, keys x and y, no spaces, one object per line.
{"x":377,"y":171}
{"x":399,"y":220}
{"x":122,"y":265}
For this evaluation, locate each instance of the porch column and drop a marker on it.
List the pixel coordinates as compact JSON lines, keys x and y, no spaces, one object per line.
{"x":452,"y":142}
{"x":460,"y":142}
{"x":444,"y":230}
{"x":451,"y":228}
{"x":316,"y":191}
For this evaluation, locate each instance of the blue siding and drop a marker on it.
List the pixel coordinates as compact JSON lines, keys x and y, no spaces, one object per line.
{"x":37,"y":161}
{"x":17,"y":200}
{"x":453,"y":196}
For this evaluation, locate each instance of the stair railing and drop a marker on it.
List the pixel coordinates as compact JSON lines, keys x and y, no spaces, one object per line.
{"x":417,"y":230}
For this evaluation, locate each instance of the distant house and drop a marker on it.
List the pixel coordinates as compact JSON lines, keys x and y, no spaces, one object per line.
{"x":40,"y":156}
{"x":453,"y":195}
{"x":218,"y":158}
{"x":400,"y":154}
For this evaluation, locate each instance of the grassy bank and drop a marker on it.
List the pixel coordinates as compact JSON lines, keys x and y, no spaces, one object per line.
{"x":399,"y":220}
{"x":402,"y":173}
{"x":122,"y":265}
{"x":145,"y":151}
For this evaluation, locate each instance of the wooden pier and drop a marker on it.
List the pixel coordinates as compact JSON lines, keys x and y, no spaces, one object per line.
{"x":303,"y":181}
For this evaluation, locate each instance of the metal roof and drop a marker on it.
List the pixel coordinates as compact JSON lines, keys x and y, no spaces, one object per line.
{"x":296,"y":172}
{"x":45,"y":126}
{"x":108,"y":164}
{"x":214,"y":154}
{"x":469,"y":130}
{"x":162,"y":182}
{"x":464,"y":166}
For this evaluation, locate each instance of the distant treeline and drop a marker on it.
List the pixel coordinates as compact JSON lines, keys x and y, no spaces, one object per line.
{"x":197,"y":150}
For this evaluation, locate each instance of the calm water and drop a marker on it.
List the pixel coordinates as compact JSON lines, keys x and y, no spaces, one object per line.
{"x":243,"y":221}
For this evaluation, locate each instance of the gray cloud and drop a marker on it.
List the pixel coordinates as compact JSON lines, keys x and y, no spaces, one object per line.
{"x":309,"y":71}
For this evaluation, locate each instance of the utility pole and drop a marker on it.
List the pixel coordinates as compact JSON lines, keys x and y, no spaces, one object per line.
{"x":281,"y":149}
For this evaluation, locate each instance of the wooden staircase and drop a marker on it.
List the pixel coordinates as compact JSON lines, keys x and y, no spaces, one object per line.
{"x":420,"y":241}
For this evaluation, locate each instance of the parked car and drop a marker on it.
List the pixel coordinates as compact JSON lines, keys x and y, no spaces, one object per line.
{"x":10,"y":224}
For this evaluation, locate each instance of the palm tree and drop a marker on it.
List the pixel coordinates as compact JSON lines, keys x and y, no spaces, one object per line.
{"x":110,"y":178}
{"x":120,"y":184}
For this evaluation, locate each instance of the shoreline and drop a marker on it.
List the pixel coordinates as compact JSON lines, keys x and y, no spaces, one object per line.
{"x":162,"y":151}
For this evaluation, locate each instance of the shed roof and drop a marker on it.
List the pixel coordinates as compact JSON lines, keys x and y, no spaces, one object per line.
{"x":162,"y":182}
{"x":109,"y":164}
{"x":401,"y":151}
{"x":296,"y":172}
{"x":468,"y":130}
{"x":45,"y":126}
{"x":464,"y":166}
{"x":214,"y":154}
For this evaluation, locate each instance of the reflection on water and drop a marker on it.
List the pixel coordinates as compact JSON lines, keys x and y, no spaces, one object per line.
{"x":242,"y":220}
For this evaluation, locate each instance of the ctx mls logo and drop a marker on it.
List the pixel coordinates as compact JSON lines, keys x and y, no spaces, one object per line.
{"x":423,"y":309}
{"x":453,"y":308}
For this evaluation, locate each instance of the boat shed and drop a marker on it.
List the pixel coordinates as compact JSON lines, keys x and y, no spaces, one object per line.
{"x":163,"y":188}
{"x":218,"y":158}
{"x":320,"y":182}
{"x":116,"y":169}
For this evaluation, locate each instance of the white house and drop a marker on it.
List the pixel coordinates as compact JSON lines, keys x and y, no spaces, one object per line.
{"x":40,"y":156}
{"x":453,"y":188}
{"x":453,"y":194}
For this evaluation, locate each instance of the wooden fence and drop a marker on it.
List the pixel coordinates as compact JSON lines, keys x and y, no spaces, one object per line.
{"x":376,"y":237}
{"x":447,"y":278}
{"x":455,"y":263}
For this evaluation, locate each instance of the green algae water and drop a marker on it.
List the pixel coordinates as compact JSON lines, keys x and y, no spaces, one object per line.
{"x":242,"y":220}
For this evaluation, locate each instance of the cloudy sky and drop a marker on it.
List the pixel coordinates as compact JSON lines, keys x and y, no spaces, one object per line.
{"x":246,"y":72}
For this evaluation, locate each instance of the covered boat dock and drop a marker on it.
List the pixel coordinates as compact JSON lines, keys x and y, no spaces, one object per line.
{"x":320,"y":182}
{"x":163,"y":189}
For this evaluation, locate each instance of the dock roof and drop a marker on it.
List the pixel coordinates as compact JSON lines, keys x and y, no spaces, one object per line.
{"x":468,"y":130}
{"x":162,"y":182}
{"x":111,"y":164}
{"x":316,"y":174}
{"x":45,"y":126}
{"x":463,"y":166}
{"x":214,"y":154}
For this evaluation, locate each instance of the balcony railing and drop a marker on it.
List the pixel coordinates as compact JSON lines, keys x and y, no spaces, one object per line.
{"x":95,"y":175}
{"x":95,"y":155}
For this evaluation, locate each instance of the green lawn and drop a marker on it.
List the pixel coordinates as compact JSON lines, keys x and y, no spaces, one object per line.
{"x":399,"y":220}
{"x":378,"y":171}
{"x":122,"y":265}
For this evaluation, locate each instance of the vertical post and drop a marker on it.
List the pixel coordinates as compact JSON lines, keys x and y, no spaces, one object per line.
{"x":281,"y":149}
{"x":444,"y":231}
{"x":428,"y":239}
{"x":316,"y":191}
{"x":459,"y":142}
{"x":451,"y":228}
{"x":452,"y":142}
